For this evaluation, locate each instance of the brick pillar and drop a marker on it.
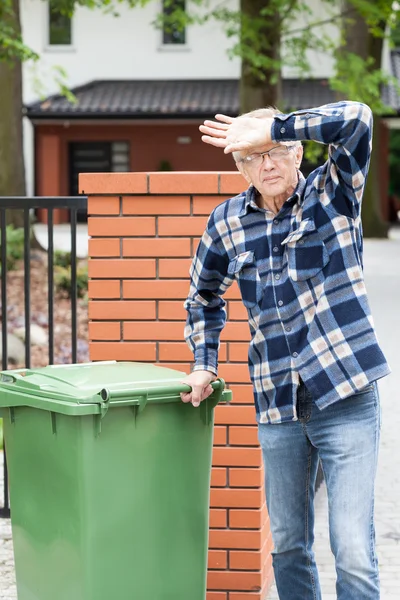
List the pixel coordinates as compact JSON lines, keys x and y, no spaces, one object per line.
{"x":144,"y":229}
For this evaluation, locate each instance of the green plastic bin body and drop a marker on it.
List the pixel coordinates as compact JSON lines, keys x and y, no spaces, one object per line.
{"x":112,"y":504}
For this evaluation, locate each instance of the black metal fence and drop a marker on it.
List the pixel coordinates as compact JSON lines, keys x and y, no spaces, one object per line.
{"x":29,"y":206}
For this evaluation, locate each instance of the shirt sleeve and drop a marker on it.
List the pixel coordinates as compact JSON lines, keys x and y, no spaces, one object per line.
{"x":347,"y":128}
{"x":206,"y":314}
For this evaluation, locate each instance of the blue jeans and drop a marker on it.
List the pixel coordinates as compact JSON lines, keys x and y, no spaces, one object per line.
{"x":345,"y":437}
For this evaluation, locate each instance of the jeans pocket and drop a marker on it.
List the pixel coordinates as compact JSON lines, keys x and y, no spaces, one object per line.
{"x":369,"y":388}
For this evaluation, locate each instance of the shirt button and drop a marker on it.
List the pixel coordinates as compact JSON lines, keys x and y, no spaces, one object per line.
{"x":276,"y":221}
{"x":295,"y":355}
{"x":280,"y":303}
{"x":301,"y":242}
{"x":288,"y":328}
{"x":276,"y":249}
{"x":282,"y":130}
{"x":277,"y":276}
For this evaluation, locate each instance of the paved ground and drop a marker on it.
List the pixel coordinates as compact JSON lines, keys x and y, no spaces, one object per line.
{"x":382,"y":269}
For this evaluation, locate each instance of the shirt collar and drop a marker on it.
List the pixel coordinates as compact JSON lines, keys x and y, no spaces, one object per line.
{"x":250,"y":195}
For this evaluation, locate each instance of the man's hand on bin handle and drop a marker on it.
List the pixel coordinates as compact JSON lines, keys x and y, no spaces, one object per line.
{"x":200,"y":382}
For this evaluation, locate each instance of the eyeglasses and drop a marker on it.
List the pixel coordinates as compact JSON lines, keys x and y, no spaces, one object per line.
{"x":275,"y":154}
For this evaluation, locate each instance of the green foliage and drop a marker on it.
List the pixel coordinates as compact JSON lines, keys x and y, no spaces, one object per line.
{"x":62,"y":279}
{"x":359,"y":80}
{"x":314,"y":153}
{"x":11,"y":44}
{"x":14,"y":246}
{"x":62,"y":259}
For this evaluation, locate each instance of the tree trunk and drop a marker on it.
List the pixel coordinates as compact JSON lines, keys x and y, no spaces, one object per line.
{"x":12,"y":172}
{"x":261,"y":88}
{"x":359,"y":40}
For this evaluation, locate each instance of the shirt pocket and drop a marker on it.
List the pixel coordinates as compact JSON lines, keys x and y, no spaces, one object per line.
{"x":243,"y":268}
{"x":306,"y":252}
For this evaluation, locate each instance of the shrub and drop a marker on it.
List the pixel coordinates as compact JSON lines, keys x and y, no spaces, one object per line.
{"x":62,"y":279}
{"x":14,"y":246}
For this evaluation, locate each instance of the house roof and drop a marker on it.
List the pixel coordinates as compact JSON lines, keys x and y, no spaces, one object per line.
{"x":140,"y":99}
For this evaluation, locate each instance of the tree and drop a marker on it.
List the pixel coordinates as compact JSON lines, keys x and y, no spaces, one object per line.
{"x":266,"y":34}
{"x":359,"y":77}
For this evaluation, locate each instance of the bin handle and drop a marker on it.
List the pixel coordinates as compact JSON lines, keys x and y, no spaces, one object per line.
{"x":136,"y":396}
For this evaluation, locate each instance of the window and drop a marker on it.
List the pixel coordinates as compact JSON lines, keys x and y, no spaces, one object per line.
{"x":96,"y":157}
{"x":174,"y":33}
{"x":59,"y":27}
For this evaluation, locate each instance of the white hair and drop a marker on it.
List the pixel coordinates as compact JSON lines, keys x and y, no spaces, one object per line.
{"x":262,"y":113}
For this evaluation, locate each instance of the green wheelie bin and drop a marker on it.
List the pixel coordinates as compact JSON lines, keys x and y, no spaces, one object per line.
{"x":109,"y":478}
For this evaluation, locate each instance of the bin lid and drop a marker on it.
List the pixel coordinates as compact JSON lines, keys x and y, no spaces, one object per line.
{"x":91,"y":388}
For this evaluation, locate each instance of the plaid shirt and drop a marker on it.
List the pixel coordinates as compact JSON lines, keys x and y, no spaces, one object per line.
{"x":300,"y":273}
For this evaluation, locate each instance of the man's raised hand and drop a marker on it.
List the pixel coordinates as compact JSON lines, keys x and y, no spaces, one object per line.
{"x":237,"y":135}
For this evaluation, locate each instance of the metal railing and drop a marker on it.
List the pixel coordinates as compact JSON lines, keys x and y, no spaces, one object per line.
{"x":28,"y":205}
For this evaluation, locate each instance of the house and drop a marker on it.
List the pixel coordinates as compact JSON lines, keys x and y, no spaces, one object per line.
{"x":140,"y":94}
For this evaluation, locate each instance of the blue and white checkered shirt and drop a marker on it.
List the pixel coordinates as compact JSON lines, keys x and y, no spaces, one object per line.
{"x":300,"y":273}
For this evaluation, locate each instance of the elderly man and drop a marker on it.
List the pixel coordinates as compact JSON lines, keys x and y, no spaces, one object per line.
{"x":294,"y":246}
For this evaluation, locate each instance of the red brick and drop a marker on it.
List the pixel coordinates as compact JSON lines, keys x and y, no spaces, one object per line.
{"x":158,"y":247}
{"x":174,"y":267}
{"x":121,"y":226}
{"x":171,"y":310}
{"x":250,"y":560}
{"x":180,"y":350}
{"x":237,"y":311}
{"x":242,"y":394}
{"x":217,"y":559}
{"x":104,"y":289}
{"x":238,"y":351}
{"x":246,"y":561}
{"x":104,"y":247}
{"x":234,"y":538}
{"x":226,"y":498}
{"x":235,"y":415}
{"x":102,"y":330}
{"x":217,"y":596}
{"x":218,"y":518}
{"x":153,"y":290}
{"x":234,"y":372}
{"x":122,"y":351}
{"x":203,"y":205}
{"x":153,"y":330}
{"x":232,"y":183}
{"x":252,"y":478}
{"x":181,"y":226}
{"x":237,"y":457}
{"x":233,"y":293}
{"x":231,"y":580}
{"x":113,"y":183}
{"x":218,"y":477}
{"x":103,"y":205}
{"x":220,"y":436}
{"x":122,"y":309}
{"x":156,"y":205}
{"x":122,"y":268}
{"x":243,"y":436}
{"x":183,"y":183}
{"x":248,"y":519}
{"x":235,"y":331}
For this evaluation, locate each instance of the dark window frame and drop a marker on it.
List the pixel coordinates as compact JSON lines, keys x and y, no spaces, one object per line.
{"x":59,"y":28}
{"x":172,"y":36}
